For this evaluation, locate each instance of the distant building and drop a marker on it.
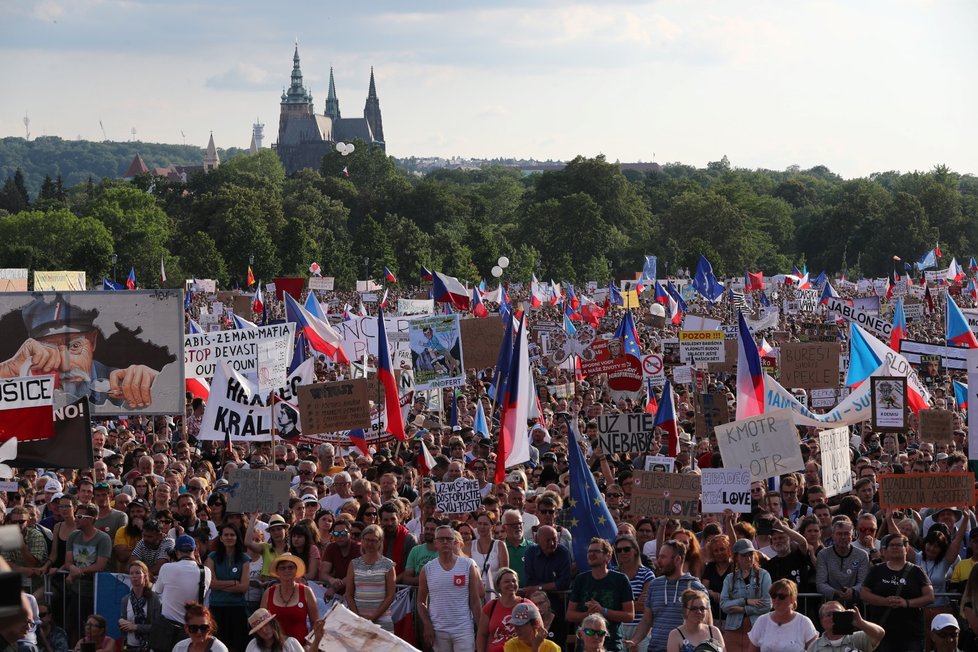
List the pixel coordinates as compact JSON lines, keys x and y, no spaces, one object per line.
{"x":178,"y":173}
{"x":305,"y":137}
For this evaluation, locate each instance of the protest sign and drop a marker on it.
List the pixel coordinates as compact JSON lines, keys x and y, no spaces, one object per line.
{"x":822,"y":398}
{"x":700,"y":323}
{"x":13,"y":279}
{"x":670,"y":350}
{"x":913,"y":310}
{"x":119,"y":340}
{"x":682,"y":375}
{"x":329,"y":407}
{"x":607,"y":356}
{"x":205,"y":285}
{"x":865,"y":319}
{"x":239,"y":348}
{"x":293,"y":286}
{"x":660,"y":463}
{"x":359,"y":336}
{"x":368,"y":286}
{"x":922,"y":490}
{"x":412,"y":307}
{"x":808,"y":300}
{"x":767,"y":321}
{"x":766,"y":444}
{"x":436,"y":352}
{"x":322,"y":283}
{"x":711,"y":411}
{"x":936,"y":425}
{"x":729,"y":364}
{"x":258,"y":490}
{"x":701,"y":346}
{"x":950,"y":357}
{"x":654,"y":370}
{"x":242,"y":305}
{"x":867,"y":304}
{"x":836,"y":469}
{"x":27,"y":408}
{"x":811,"y":365}
{"x":274,"y":355}
{"x":665,"y":495}
{"x":726,"y":489}
{"x":458,"y":497}
{"x":481,"y":339}
{"x":630,"y":432}
{"x":889,"y":401}
{"x":69,"y":447}
{"x":59,"y":281}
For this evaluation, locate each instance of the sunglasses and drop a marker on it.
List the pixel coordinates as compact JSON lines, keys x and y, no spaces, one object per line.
{"x":622,"y":551}
{"x":340,"y":533}
{"x":198,"y":629}
{"x":615,"y":495}
{"x":600,"y":633}
{"x":780,"y":596}
{"x":370,"y":513}
{"x":699,"y":610}
{"x":84,"y":516}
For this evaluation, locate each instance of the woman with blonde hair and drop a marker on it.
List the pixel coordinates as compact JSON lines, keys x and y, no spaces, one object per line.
{"x":745,"y":595}
{"x":370,"y":580}
{"x":141,"y":608}
{"x":717,"y":570}
{"x":495,"y":627}
{"x":695,"y":629}
{"x":783,"y":629}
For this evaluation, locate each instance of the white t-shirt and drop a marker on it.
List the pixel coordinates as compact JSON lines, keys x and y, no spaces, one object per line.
{"x":216,"y":646}
{"x":179,"y":583}
{"x":769,"y":636}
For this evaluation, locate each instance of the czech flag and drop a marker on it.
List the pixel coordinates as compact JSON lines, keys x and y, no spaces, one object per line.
{"x":389,"y":276}
{"x":258,"y":306}
{"x":867,"y":354}
{"x":448,"y":289}
{"x":660,"y":295}
{"x":242,"y":324}
{"x":665,"y":418}
{"x":383,"y":301}
{"x":651,"y":405}
{"x":318,"y":332}
{"x":131,"y":279}
{"x":536,"y":297}
{"x":313,"y":306}
{"x":572,"y":296}
{"x":478,"y":307}
{"x":954,"y":271}
{"x":359,"y":439}
{"x":425,"y":274}
{"x":828,"y":292}
{"x":961,"y":395}
{"x":385,"y":373}
{"x":162,"y":272}
{"x":764,"y":348}
{"x":958,"y":331}
{"x":750,"y":374}
{"x":424,"y":460}
{"x":973,"y":266}
{"x":514,"y":442}
{"x":198,"y":387}
{"x":899,"y":332}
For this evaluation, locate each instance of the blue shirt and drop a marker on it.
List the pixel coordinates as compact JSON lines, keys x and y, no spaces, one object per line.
{"x":543,"y":569}
{"x":665,"y":601}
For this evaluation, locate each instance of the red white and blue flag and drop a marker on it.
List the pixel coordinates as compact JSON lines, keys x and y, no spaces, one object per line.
{"x":958,"y":331}
{"x":954,"y":271}
{"x":425,"y":274}
{"x":828,"y":292}
{"x":383,"y":301}
{"x":478,"y":307}
{"x":131,"y":279}
{"x":750,"y":374}
{"x":514,"y":443}
{"x":448,"y":289}
{"x":867,"y":354}
{"x":385,"y":374}
{"x":899,"y":331}
{"x":660,"y":295}
{"x":257,"y":305}
{"x":318,"y":332}
{"x":961,"y":395}
{"x":665,"y":418}
{"x":389,"y":276}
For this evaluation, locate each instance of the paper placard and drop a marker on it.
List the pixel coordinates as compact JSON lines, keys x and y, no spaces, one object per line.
{"x":700,"y":323}
{"x":322,"y":283}
{"x":767,"y":444}
{"x":9,"y":486}
{"x":666,"y":495}
{"x":889,"y":402}
{"x":726,"y":489}
{"x":458,"y":497}
{"x":239,"y":348}
{"x":662,"y":463}
{"x":481,"y":339}
{"x":329,"y":407}
{"x":682,"y":375}
{"x":274,"y":356}
{"x":631,"y":432}
{"x":654,"y":370}
{"x":258,"y":490}
{"x":916,"y":490}
{"x":836,"y":468}
{"x":936,"y":425}
{"x":701,"y":346}
{"x":865,"y":319}
{"x":810,"y":365}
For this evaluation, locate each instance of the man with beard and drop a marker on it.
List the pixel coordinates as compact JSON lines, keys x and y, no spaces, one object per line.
{"x":663,"y":606}
{"x":421,"y":554}
{"x":602,"y":591}
{"x":127,"y":537}
{"x":398,"y":542}
{"x":153,"y":549}
{"x":791,"y":561}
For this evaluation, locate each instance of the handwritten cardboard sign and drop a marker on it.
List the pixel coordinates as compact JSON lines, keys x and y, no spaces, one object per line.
{"x":458,"y":497}
{"x":936,"y":425}
{"x":711,"y":411}
{"x":836,"y":468}
{"x":767,"y":445}
{"x":726,"y":489}
{"x":631,"y":432}
{"x":328,"y":407}
{"x":481,"y":339}
{"x":667,"y":495}
{"x":810,"y":365}
{"x":258,"y":490}
{"x":898,"y":491}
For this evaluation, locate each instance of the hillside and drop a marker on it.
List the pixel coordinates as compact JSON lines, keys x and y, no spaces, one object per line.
{"x":76,"y":160}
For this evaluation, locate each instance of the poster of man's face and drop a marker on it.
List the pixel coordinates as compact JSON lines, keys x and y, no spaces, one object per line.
{"x":121,"y":350}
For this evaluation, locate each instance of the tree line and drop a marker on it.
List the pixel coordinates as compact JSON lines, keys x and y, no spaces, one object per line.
{"x":588,"y":221}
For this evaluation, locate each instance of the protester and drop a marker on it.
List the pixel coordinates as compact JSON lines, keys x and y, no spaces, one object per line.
{"x":200,"y":629}
{"x":230,"y":569}
{"x":495,"y":626}
{"x":292,"y":602}
{"x":95,"y":636}
{"x":88,"y":552}
{"x":268,"y":634}
{"x":782,"y":629}
{"x":531,"y":635}
{"x":370,"y":584}
{"x":895,"y":593}
{"x":694,"y":629}
{"x":489,"y":554}
{"x":140,"y":609}
{"x":449,"y":597}
{"x":603,"y":591}
{"x":865,"y":637}
{"x":745,"y":596}
{"x":944,"y":633}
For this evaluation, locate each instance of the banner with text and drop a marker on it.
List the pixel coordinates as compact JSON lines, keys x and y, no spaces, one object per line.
{"x":666,"y":495}
{"x":726,"y":489}
{"x":767,"y":445}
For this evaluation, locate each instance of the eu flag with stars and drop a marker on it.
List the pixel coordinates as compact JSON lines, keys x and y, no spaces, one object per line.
{"x":629,"y":335}
{"x":587,"y":513}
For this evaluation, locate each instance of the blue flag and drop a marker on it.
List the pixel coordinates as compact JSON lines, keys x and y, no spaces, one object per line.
{"x":927,"y":261}
{"x":109,"y":285}
{"x":500,"y":377}
{"x":479,"y":425}
{"x":629,"y":335}
{"x":299,"y":353}
{"x":649,"y":271}
{"x":705,"y":282}
{"x":587,"y":513}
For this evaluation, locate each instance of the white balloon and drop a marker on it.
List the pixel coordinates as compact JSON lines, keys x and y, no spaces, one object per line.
{"x":350,"y":147}
{"x":340,"y":146}
{"x":497,"y":271}
{"x":503,"y":262}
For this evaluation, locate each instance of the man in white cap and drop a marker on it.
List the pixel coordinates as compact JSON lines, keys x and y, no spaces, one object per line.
{"x":944,"y":631}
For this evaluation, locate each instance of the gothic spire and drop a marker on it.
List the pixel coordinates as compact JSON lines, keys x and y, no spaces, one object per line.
{"x":371,"y":111}
{"x":373,"y":88}
{"x":332,"y":102}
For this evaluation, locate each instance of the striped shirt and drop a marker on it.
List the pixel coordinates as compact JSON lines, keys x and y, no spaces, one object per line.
{"x":448,"y":596}
{"x":370,"y":582}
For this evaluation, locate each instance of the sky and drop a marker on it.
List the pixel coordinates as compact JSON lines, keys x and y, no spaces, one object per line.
{"x":858,"y":86}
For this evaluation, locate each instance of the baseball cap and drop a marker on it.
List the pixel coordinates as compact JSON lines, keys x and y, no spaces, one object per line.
{"x":523,"y":613}
{"x":309,"y":498}
{"x":942,"y":621}
{"x":185,"y":543}
{"x":53,"y":486}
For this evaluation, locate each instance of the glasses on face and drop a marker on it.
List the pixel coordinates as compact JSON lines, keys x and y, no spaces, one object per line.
{"x":547,"y":511}
{"x":779,"y":596}
{"x":699,"y":610}
{"x":595,"y":632}
{"x":198,"y":629}
{"x":595,"y":552}
{"x":867,"y":530}
{"x":622,"y":551}
{"x":615,"y":495}
{"x":340,"y":533}
{"x":84,"y":516}
{"x":444,"y":539}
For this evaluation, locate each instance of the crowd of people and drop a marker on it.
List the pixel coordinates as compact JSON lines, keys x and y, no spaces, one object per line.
{"x":800,"y":571}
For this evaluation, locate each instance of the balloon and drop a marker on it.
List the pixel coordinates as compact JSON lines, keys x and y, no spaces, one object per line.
{"x":340,"y":146}
{"x":497,"y":271}
{"x":314,"y":269}
{"x":350,"y":147}
{"x":503,"y":262}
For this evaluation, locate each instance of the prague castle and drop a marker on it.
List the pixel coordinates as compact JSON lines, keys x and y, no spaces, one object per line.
{"x":305,"y":136}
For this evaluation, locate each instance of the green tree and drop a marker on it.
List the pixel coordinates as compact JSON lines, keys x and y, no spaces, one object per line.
{"x":56,"y":240}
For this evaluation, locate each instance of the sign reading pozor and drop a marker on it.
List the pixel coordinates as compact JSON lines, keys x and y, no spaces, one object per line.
{"x":701,"y":346}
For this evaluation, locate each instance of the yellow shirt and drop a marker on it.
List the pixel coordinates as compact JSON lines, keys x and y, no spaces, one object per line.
{"x":516,"y":645}
{"x":962,"y":570}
